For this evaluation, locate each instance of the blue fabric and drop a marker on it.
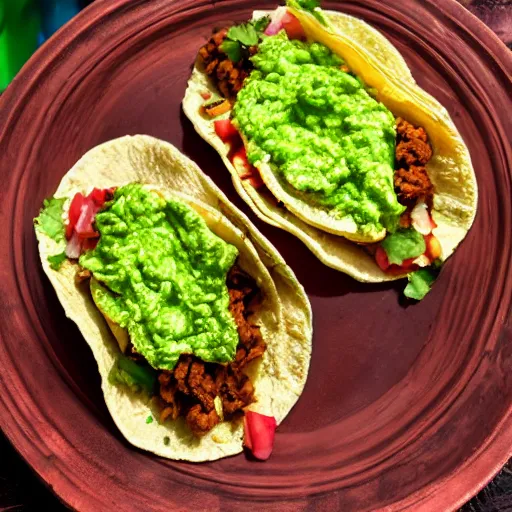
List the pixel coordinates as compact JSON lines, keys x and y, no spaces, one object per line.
{"x":55,"y":14}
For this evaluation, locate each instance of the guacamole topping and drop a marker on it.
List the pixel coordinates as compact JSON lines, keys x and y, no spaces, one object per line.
{"x":327,"y":140}
{"x":166,"y":277}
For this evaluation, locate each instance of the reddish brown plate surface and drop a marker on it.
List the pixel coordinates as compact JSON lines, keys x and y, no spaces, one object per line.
{"x":406,"y":407}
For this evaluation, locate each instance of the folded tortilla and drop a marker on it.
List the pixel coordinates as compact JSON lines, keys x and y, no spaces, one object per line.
{"x":284,"y":315}
{"x":379,"y":64}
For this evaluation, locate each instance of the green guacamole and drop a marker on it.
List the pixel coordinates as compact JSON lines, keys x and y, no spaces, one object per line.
{"x":166,"y":274}
{"x":328,"y":141}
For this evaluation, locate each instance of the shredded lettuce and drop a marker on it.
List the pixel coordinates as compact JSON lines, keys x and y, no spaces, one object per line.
{"x":57,"y":260}
{"x":403,"y":244}
{"x":50,"y":220}
{"x":420,"y":283}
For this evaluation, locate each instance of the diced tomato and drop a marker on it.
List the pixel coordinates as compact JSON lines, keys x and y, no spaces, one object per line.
{"x":433,"y":247}
{"x":74,"y":213}
{"x":293,"y":27}
{"x":382,"y":258}
{"x":259,"y":433}
{"x":383,"y":261}
{"x":226,"y":130}
{"x":407,"y":264}
{"x":206,"y":95}
{"x":99,"y":196}
{"x":89,"y":243}
{"x":245,"y":170}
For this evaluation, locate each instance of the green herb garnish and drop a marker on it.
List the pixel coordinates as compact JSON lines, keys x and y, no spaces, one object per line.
{"x":241,"y":37}
{"x":149,"y":419}
{"x":57,"y":260}
{"x":167,"y":440}
{"x":50,"y":220}
{"x":233,"y":49}
{"x":420,"y":283}
{"x":403,"y":245}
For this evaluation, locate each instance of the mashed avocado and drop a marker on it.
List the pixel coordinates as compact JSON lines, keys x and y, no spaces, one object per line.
{"x":330,"y":143}
{"x":166,"y":274}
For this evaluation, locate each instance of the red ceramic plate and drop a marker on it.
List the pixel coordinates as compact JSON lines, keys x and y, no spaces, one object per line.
{"x":406,"y":408}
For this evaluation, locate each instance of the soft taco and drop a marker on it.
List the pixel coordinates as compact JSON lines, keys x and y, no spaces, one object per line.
{"x":201,"y":332}
{"x":327,"y":135}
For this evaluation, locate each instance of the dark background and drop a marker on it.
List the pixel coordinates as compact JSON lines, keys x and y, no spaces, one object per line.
{"x":21,"y":490}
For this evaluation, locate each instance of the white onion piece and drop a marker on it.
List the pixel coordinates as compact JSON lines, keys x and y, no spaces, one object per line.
{"x":276,"y":21}
{"x":420,"y":219}
{"x":74,"y":246}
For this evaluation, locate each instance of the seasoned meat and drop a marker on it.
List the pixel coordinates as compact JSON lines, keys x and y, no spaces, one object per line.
{"x":235,"y":389}
{"x":412,"y":152}
{"x":413,"y":183}
{"x":201,"y":385}
{"x":200,"y":421}
{"x":171,"y":407}
{"x":407,"y":131}
{"x":227,"y":75}
{"x":181,"y":372}
{"x":190,"y":389}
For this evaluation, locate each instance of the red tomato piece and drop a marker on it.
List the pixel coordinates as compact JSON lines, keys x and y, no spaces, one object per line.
{"x":226,"y":130}
{"x":259,"y":433}
{"x":293,"y":27}
{"x":74,"y":213}
{"x":382,"y":258}
{"x":245,"y":170}
{"x":101,"y":195}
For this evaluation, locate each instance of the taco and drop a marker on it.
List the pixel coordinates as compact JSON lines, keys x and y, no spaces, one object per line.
{"x":327,"y":135}
{"x":201,"y":332}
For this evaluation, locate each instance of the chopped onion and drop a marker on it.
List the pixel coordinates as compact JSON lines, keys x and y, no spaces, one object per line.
{"x":276,"y":21}
{"x":420,"y":218}
{"x":74,"y":247}
{"x":422,"y":261}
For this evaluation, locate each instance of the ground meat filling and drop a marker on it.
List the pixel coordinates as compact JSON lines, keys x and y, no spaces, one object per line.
{"x":227,"y":75}
{"x":412,"y":152}
{"x":190,"y":389}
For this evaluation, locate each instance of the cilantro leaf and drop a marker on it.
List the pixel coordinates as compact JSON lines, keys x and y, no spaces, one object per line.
{"x":56,"y":260}
{"x":233,"y":49}
{"x":241,"y":37}
{"x":245,"y":34}
{"x":261,"y":24}
{"x":420,"y":283}
{"x":403,"y":244}
{"x":50,"y":220}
